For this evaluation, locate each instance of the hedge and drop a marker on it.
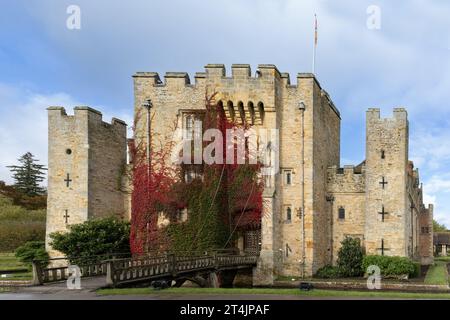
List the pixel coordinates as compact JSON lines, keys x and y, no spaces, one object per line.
{"x":328,"y":272}
{"x":392,"y":266}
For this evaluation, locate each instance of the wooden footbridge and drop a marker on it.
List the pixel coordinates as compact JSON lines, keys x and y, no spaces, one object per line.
{"x":207,"y":269}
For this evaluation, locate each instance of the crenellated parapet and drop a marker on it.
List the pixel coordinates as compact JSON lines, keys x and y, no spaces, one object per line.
{"x":84,"y":113}
{"x":245,"y":96}
{"x":349,"y":179}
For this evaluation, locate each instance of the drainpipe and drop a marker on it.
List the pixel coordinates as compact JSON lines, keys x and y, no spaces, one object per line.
{"x":148,"y":105}
{"x":302,"y":108}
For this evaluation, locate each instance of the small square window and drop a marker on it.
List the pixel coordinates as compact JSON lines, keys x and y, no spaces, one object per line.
{"x":341,"y":213}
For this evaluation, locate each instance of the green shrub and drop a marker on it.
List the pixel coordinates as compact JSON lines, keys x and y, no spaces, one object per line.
{"x":328,"y":272}
{"x":350,"y":257}
{"x":93,"y":239}
{"x":392,"y":266}
{"x":33,"y":250}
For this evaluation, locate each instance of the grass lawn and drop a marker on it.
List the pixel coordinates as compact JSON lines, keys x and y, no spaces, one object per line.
{"x":446,"y":258}
{"x":437,"y":273}
{"x":8,"y":262}
{"x":262,"y":291}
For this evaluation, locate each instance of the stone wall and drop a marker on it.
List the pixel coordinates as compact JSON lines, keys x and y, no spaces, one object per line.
{"x":426,"y":235}
{"x":346,"y":186}
{"x":302,"y":135}
{"x":387,"y":157}
{"x":92,"y":155}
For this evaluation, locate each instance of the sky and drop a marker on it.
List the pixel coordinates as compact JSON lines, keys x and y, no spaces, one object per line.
{"x":395,"y":56}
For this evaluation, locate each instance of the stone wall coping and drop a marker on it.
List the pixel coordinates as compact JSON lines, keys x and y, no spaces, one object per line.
{"x":57,"y":108}
{"x":141,"y":74}
{"x":86,"y":108}
{"x":118,"y":121}
{"x":215,"y":65}
{"x":358,"y":285}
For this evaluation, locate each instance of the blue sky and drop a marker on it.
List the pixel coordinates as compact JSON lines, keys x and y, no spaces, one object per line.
{"x":404,"y":63}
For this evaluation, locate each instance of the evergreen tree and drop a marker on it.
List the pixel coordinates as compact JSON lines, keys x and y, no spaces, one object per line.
{"x":28,"y":175}
{"x":437,"y":227}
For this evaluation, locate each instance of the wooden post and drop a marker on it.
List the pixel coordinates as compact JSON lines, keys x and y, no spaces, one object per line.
{"x":172,"y":260}
{"x":37,"y":274}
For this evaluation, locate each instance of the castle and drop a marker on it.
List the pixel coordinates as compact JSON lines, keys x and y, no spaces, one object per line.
{"x":311,"y":204}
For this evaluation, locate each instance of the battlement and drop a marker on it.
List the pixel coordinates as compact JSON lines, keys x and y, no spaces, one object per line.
{"x":347,"y":179}
{"x":217,"y":72}
{"x":373,"y":114}
{"x":346,"y":170}
{"x":84,"y":112}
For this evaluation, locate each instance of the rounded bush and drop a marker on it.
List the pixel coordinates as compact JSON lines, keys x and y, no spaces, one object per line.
{"x":392,"y":266}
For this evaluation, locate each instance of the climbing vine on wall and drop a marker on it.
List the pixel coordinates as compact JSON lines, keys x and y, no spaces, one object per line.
{"x":224,"y":199}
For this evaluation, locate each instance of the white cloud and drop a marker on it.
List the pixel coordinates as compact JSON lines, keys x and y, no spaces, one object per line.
{"x":23,"y":126}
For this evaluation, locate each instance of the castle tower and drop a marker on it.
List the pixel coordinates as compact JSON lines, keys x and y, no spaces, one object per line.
{"x":295,"y":236}
{"x":388,"y":222}
{"x":86,"y":161}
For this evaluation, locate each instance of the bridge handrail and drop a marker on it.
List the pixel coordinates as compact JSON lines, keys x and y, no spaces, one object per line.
{"x":126,"y":270}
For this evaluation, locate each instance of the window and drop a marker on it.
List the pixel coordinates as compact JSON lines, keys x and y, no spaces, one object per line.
{"x":188,"y":127}
{"x":288,"y":177}
{"x":288,"y":214}
{"x":69,"y":151}
{"x":341,"y":213}
{"x":191,"y":173}
{"x":382,"y":154}
{"x":425,"y":229}
{"x":192,"y":125}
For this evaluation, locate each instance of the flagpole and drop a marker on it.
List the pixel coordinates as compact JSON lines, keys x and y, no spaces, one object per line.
{"x":314,"y":45}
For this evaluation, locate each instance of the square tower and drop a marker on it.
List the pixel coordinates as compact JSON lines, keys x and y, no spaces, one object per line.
{"x":87,"y":159}
{"x":388,"y":222}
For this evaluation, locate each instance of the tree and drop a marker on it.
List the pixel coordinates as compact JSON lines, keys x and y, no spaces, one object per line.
{"x":28,"y":175}
{"x":437,"y":227}
{"x":350,"y":257}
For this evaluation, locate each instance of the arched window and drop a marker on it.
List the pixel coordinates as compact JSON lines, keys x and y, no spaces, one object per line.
{"x":220,"y":108}
{"x":231,"y":110}
{"x":251,"y":110}
{"x":261,"y":111}
{"x":241,"y":111}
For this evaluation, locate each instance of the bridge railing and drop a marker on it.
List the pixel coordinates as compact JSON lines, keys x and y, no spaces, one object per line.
{"x":121,"y":271}
{"x":89,"y":267}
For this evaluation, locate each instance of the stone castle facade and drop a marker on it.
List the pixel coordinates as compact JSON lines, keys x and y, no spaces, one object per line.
{"x":311,"y":205}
